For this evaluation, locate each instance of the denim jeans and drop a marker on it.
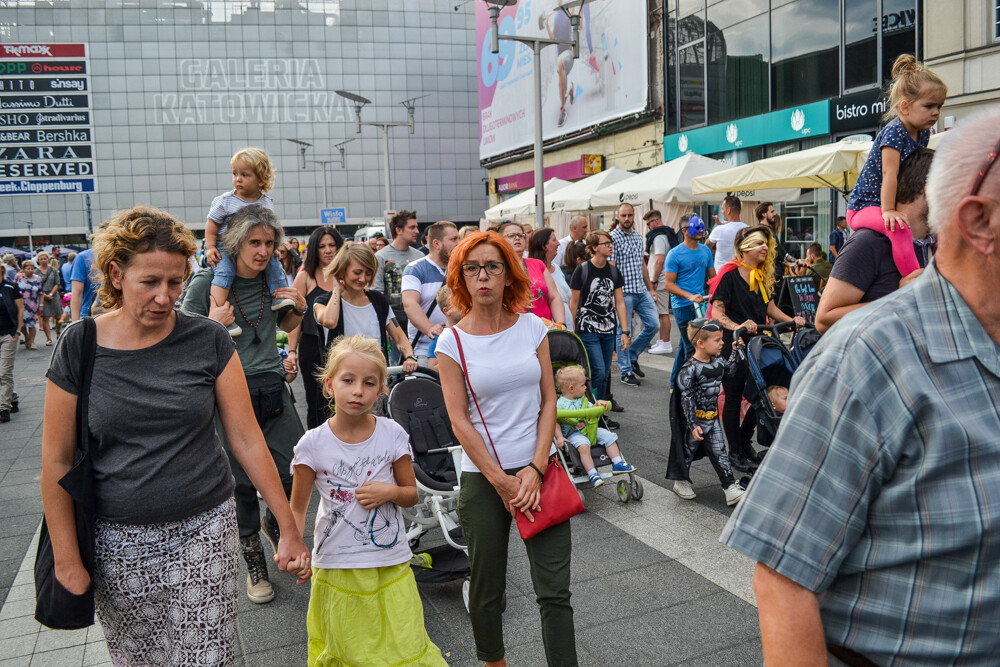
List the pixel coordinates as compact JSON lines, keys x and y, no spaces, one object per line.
{"x":225,"y":272}
{"x":643,"y":304}
{"x":599,"y":348}
{"x":683,"y":315}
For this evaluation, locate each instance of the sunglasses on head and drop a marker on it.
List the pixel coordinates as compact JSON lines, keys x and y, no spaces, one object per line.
{"x":705,"y":324}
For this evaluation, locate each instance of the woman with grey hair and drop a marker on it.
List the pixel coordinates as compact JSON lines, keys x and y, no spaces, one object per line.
{"x":254,"y":233}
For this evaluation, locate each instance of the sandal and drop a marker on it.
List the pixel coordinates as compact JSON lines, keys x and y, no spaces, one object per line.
{"x":48,"y":343}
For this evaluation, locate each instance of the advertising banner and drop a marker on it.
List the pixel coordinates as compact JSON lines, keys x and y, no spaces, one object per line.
{"x":608,"y":81}
{"x":43,"y":148}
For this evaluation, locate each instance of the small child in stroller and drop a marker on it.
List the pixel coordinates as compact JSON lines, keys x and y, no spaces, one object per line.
{"x":699,"y":381}
{"x":571,"y":383}
{"x":778,"y":396}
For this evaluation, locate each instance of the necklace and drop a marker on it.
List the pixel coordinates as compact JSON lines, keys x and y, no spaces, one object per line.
{"x":260,"y":315}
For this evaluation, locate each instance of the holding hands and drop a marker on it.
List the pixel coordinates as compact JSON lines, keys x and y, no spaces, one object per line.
{"x":293,"y":557}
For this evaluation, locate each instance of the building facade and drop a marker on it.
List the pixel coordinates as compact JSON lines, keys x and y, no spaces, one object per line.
{"x":145,"y":101}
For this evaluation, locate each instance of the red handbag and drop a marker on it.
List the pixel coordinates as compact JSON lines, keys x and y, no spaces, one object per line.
{"x":558,"y":498}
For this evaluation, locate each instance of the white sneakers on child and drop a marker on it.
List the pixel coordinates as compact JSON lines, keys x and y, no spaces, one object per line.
{"x":734,"y":492}
{"x":662,"y":347}
{"x":683,"y":489}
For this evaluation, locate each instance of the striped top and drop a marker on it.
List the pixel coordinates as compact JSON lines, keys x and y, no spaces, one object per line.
{"x":882,"y":489}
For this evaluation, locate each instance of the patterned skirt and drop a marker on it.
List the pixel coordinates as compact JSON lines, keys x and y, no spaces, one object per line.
{"x":166,"y":593}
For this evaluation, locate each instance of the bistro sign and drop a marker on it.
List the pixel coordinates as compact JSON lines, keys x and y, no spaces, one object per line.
{"x":46,"y":133}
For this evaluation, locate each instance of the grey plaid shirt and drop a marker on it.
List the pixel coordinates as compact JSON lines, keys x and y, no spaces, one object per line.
{"x":627,"y":256}
{"x":882,"y":489}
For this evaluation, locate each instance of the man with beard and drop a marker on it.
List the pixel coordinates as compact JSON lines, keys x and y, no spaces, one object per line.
{"x":689,"y":266}
{"x":865,"y":270}
{"x":421,"y":281}
{"x":640,"y":295}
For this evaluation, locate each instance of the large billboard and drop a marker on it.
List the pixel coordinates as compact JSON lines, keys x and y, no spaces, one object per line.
{"x":608,"y":81}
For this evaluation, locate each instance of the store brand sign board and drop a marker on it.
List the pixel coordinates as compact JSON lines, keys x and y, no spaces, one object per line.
{"x":333,"y":216}
{"x":568,"y":171}
{"x":46,"y":134}
{"x":785,"y":125}
{"x":859,"y":111}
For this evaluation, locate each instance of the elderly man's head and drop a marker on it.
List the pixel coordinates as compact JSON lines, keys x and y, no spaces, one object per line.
{"x":578,"y":228}
{"x":964,"y":204}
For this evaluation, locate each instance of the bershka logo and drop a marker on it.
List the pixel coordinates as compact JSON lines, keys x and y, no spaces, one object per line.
{"x":732,"y":133}
{"x":26,"y":50}
{"x":798,"y":120}
{"x":682,"y":143}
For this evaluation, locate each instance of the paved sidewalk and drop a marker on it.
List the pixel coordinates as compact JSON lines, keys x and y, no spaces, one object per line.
{"x":651,"y":583}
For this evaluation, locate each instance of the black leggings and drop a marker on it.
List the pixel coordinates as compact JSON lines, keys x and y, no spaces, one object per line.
{"x":310,"y":360}
{"x":738,"y":435}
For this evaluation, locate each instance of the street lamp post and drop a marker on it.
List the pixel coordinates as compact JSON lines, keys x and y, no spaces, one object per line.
{"x":303,"y":145}
{"x":359,"y":103}
{"x":31,"y":245}
{"x":322,"y":164}
{"x":536,"y":44}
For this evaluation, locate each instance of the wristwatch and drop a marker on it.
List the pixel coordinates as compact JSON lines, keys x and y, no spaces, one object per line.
{"x":298,"y":313}
{"x":410,"y":356}
{"x":627,"y":333}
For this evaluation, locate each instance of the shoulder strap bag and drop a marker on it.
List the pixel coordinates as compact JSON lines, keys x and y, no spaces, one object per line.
{"x":559,"y":499}
{"x":56,"y":607}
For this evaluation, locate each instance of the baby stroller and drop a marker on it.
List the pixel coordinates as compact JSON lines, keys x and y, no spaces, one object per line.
{"x":566,"y":349}
{"x":803,"y":341}
{"x":769,"y":362}
{"x":417,"y":404}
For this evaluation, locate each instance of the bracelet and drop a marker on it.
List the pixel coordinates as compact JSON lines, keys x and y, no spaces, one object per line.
{"x":627,"y":333}
{"x":410,"y":356}
{"x":535,"y":468}
{"x":298,"y":313}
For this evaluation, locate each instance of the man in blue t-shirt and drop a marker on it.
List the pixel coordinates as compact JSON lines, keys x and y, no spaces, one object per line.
{"x":84,"y":285}
{"x":689,"y":266}
{"x":838,"y":237}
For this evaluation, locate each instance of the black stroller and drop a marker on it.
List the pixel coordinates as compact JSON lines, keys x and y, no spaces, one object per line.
{"x":769,"y":363}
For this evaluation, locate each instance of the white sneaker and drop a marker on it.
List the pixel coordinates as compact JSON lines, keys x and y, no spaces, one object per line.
{"x":683,"y":489}
{"x":662,"y":347}
{"x":278,"y":304}
{"x":734,"y":492}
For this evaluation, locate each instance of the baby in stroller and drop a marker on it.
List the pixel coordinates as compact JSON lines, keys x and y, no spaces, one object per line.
{"x":571,"y":383}
{"x":778,"y":395}
{"x":699,"y":381}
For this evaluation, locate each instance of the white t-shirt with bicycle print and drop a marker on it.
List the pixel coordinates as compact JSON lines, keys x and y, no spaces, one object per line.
{"x":347,"y":535}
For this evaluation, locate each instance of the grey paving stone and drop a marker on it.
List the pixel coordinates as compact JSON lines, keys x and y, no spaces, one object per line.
{"x":66,"y":657}
{"x":286,"y":655}
{"x":95,"y":654}
{"x":16,"y":647}
{"x":17,"y":627}
{"x":51,"y":640}
{"x":22,"y":661}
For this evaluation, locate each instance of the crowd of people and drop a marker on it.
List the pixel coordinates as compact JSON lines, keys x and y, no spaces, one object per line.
{"x":878,"y":483}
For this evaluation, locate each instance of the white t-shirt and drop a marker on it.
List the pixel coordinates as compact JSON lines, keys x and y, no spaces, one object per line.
{"x":363,"y":320}
{"x":560,"y":257}
{"x":661,"y":246}
{"x":504,"y":372}
{"x":347,"y":535}
{"x":723,"y":236}
{"x":425,"y":277}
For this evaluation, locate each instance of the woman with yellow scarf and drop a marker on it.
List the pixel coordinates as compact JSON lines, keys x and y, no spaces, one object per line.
{"x":741,"y":296}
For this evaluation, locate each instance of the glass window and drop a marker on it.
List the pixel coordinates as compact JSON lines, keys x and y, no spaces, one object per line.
{"x":805,"y":52}
{"x":691,"y":28}
{"x":738,"y":69}
{"x":899,"y":32}
{"x":691,"y":84}
{"x":996,"y":19}
{"x":686,"y":7}
{"x":671,"y":78}
{"x":860,"y":43}
{"x":730,"y":12}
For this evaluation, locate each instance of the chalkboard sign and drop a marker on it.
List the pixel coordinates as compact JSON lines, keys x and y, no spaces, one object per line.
{"x":805,"y":300}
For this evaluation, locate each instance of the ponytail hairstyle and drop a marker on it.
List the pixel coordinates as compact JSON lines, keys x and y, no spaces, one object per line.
{"x":910,"y":80}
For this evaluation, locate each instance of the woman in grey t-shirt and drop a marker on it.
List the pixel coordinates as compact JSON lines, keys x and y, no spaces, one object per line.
{"x":166,"y":561}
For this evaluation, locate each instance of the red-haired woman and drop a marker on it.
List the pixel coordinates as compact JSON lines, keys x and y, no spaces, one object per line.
{"x":506,"y":355}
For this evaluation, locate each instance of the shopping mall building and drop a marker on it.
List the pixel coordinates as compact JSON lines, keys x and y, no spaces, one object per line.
{"x":104,"y":105}
{"x":742,"y":80}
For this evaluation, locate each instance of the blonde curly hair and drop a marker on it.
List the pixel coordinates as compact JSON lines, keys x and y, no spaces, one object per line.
{"x":260,"y":162}
{"x":133,"y":232}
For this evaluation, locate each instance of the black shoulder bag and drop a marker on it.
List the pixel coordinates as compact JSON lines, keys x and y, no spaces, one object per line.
{"x":56,"y":607}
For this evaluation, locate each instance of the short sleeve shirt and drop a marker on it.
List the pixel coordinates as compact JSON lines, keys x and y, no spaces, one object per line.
{"x":424,"y":277}
{"x":389,"y":275}
{"x":866,"y":263}
{"x":81,"y":273}
{"x":596,"y":312}
{"x":723,"y":236}
{"x":225,"y":205}
{"x":741,"y":304}
{"x":155,"y":451}
{"x":868,"y":190}
{"x":505,"y":373}
{"x":691,"y":267}
{"x":661,"y":246}
{"x":346,"y":534}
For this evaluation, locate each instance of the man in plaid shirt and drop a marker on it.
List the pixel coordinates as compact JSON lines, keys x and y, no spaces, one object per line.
{"x":874,"y":518}
{"x":640,"y":295}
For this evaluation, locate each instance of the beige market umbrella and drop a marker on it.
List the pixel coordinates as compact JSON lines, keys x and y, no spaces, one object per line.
{"x":576,"y":197}
{"x":523,"y":203}
{"x":671,"y":182}
{"x":834,"y":166}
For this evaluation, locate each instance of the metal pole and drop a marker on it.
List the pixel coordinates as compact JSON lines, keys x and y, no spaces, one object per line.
{"x":31,"y":245}
{"x":90,"y":222}
{"x":539,"y":174}
{"x":385,"y":160}
{"x":325,"y":204}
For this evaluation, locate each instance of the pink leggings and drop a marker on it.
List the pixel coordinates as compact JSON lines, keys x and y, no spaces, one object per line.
{"x":903,"y":254}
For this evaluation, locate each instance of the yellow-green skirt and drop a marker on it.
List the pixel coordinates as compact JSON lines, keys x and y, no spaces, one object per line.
{"x":368,"y":616}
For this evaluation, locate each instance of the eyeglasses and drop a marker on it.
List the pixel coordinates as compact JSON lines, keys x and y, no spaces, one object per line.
{"x":605,"y":243}
{"x":986,"y":169}
{"x":492,"y":269}
{"x":515,"y":236}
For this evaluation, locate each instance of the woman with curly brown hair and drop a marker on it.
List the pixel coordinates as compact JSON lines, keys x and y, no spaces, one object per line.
{"x":166,"y":549}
